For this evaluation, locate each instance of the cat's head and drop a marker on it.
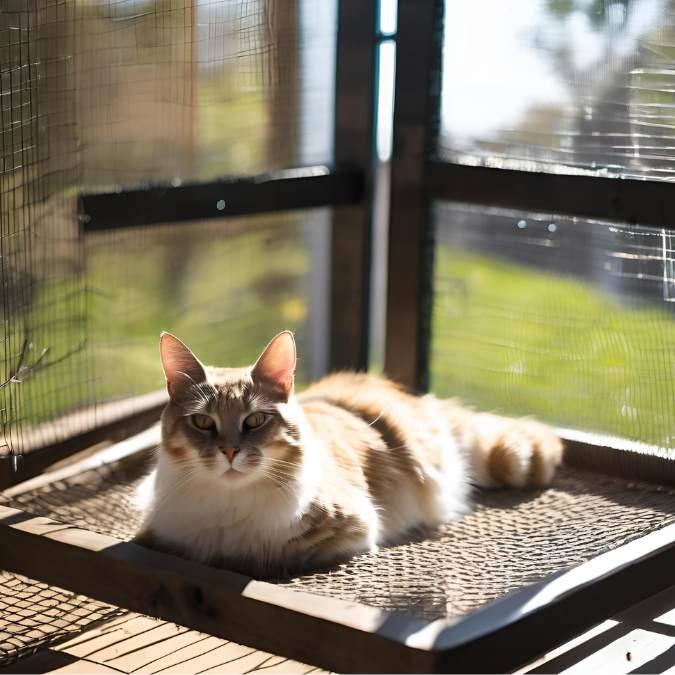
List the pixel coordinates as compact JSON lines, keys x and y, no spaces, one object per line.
{"x":235,"y":425}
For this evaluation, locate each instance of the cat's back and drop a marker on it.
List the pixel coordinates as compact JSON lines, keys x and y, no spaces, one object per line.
{"x":370,"y":403}
{"x":402,"y":444}
{"x":401,"y":421}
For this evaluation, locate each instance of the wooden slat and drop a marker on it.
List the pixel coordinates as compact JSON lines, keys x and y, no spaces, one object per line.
{"x":135,"y":445}
{"x":114,"y":421}
{"x":618,"y":456}
{"x":108,"y":635}
{"x":643,"y":202}
{"x":289,"y":189}
{"x":416,"y":110}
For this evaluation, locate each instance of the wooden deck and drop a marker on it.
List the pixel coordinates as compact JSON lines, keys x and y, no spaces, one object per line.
{"x":638,"y":640}
{"x":139,"y":644}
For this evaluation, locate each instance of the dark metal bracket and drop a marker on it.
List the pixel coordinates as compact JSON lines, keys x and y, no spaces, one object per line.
{"x":638,"y":202}
{"x":299,"y":188}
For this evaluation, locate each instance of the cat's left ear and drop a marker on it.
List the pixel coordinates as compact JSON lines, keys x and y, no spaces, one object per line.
{"x":182,"y":368}
{"x":276,"y":365}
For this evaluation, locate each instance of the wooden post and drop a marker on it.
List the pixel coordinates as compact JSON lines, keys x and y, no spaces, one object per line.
{"x":410,"y":266}
{"x":354,"y":145}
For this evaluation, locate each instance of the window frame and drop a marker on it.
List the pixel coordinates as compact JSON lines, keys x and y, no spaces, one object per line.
{"x":419,"y":178}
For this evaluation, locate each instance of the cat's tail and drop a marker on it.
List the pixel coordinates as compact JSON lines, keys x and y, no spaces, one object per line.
{"x":503,"y":451}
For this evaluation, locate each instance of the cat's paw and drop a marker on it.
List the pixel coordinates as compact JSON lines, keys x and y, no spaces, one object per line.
{"x":523,"y":453}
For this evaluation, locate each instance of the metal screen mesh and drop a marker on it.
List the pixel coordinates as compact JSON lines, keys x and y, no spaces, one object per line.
{"x":572,"y":86}
{"x":103,"y":95}
{"x":566,"y":319}
{"x":33,"y":615}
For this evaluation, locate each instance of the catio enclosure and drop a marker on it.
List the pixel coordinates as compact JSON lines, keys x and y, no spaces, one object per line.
{"x":218,"y":168}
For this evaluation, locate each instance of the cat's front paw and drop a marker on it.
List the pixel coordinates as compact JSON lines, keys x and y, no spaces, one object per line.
{"x":523,"y":453}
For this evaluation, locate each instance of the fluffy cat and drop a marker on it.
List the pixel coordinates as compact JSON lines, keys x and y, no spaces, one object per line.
{"x":253,"y":477}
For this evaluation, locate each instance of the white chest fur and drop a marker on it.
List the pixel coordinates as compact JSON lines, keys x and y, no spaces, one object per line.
{"x":206,"y":519}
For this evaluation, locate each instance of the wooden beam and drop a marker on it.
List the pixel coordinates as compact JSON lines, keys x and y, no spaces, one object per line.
{"x":641,"y":202}
{"x":124,"y":450}
{"x":299,"y":188}
{"x":340,"y":635}
{"x":618,"y":456}
{"x":354,"y":147}
{"x":411,"y":247}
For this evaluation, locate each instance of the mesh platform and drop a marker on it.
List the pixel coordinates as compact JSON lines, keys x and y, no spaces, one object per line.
{"x":511,"y":539}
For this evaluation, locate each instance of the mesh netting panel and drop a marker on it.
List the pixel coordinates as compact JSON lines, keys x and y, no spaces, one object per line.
{"x":511,"y":539}
{"x":225,"y":287}
{"x":191,"y":89}
{"x":43,"y":295}
{"x":566,"y":319}
{"x":571,"y":86}
{"x":107,"y":94}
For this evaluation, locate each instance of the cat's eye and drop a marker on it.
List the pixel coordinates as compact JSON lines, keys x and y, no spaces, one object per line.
{"x":255,"y":420}
{"x":203,"y":422}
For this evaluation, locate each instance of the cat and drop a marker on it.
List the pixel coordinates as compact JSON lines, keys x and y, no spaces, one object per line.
{"x":255,"y":478}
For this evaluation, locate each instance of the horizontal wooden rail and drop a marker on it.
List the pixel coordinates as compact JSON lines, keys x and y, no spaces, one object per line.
{"x":134,"y":447}
{"x":327,"y":632}
{"x":641,"y":202}
{"x":112,"y":421}
{"x":322,"y":631}
{"x":619,"y":457}
{"x":301,"y":188}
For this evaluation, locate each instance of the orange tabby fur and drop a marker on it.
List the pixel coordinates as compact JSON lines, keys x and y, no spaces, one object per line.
{"x":351,"y":463}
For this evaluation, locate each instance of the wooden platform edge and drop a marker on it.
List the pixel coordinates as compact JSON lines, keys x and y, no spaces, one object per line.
{"x":135,"y":415}
{"x":122,"y":451}
{"x":331,"y":633}
{"x":620,"y":457}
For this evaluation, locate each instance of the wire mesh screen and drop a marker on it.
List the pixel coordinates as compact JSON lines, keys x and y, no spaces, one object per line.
{"x":572,"y":86}
{"x":225,"y":287}
{"x":196,"y":89}
{"x":42,"y":262}
{"x":109,"y":94}
{"x":566,"y":319}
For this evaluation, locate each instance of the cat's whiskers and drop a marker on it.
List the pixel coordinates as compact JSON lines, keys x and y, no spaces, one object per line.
{"x":382,"y":412}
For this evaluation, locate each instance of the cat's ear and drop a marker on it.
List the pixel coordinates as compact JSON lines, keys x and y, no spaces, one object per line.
{"x":181,"y":367}
{"x":276,"y":365}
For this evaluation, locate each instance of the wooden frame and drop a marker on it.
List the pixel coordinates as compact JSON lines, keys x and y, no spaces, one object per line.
{"x":114,"y":421}
{"x":410,"y":261}
{"x":354,"y":148}
{"x":299,"y":188}
{"x":347,"y":188}
{"x":340,"y":635}
{"x":418,"y":179}
{"x":331,"y":633}
{"x":641,"y":202}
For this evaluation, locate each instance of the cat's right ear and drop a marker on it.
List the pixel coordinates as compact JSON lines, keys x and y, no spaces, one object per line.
{"x":181,"y":367}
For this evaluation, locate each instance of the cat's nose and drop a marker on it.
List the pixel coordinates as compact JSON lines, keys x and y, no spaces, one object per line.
{"x":230,"y":453}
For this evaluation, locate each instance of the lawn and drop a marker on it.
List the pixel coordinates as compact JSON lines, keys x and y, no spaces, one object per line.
{"x":525,"y":342}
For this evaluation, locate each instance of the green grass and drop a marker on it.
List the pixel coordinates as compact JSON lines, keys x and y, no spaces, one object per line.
{"x":523,"y":342}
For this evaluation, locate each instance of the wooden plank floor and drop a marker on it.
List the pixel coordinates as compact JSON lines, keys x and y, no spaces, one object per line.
{"x":639,"y":640}
{"x":139,"y":644}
